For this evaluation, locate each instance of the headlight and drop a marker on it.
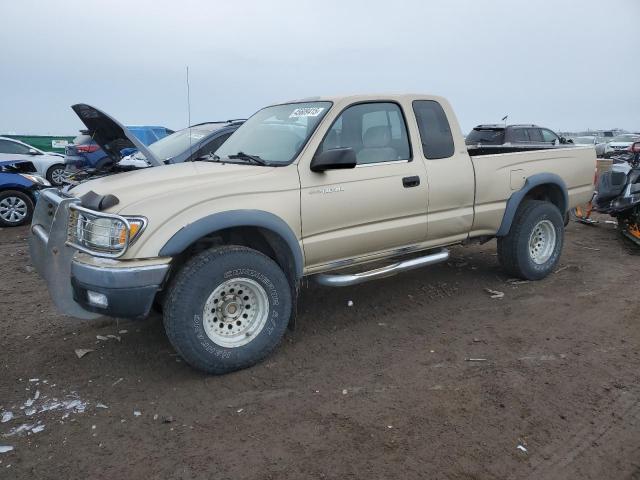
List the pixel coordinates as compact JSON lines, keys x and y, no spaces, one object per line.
{"x":105,"y":234}
{"x":36,"y":179}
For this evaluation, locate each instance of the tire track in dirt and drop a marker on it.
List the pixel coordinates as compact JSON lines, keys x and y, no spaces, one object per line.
{"x":565,"y":458}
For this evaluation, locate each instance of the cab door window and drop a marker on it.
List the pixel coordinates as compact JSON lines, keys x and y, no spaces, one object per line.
{"x":375,"y":131}
{"x":549,"y":137}
{"x":535,"y":135}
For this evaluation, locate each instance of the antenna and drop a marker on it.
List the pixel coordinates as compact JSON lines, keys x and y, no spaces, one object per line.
{"x":189,"y":112}
{"x":504,"y":119}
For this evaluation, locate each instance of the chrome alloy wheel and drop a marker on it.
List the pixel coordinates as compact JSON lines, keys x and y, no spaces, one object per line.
{"x":58,"y":175}
{"x":235,"y":312}
{"x":13,"y":209}
{"x":542,"y":242}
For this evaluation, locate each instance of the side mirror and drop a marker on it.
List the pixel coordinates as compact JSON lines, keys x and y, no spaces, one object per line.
{"x":33,"y":152}
{"x":334,"y":159}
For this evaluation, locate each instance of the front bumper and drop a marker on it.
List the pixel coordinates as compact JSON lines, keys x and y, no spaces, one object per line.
{"x":126,"y":288}
{"x":124,"y":291}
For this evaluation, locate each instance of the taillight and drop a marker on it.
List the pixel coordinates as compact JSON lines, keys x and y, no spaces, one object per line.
{"x":635,"y":147}
{"x":87,"y":148}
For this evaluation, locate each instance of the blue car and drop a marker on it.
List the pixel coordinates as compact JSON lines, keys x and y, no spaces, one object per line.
{"x":85,"y":152}
{"x":19,"y":192}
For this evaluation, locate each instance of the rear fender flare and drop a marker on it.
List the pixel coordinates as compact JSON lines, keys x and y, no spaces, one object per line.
{"x":517,"y":197}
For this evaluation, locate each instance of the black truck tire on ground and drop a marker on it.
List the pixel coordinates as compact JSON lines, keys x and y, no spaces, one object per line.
{"x":16,"y":208}
{"x":532,"y":247}
{"x":227,"y":309}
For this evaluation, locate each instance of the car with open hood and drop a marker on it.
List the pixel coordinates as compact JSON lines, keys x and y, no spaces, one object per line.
{"x":116,"y":140}
{"x":103,"y":143}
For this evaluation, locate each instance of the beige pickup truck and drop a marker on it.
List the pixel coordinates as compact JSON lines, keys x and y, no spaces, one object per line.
{"x":322,"y":188}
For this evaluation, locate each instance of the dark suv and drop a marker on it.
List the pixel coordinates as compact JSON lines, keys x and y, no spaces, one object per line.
{"x":527,"y":137}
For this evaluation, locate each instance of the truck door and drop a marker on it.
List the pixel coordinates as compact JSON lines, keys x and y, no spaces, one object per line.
{"x":380,"y":204}
{"x":449,"y":173}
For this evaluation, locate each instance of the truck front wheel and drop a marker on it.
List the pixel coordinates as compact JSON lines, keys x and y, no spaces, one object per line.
{"x":532,"y":247}
{"x":227,"y":309}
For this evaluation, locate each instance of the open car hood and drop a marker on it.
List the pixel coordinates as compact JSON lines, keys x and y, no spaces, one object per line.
{"x":110,"y":134}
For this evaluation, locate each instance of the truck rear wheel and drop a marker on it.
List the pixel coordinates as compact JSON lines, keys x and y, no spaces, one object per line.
{"x":532,"y":247}
{"x":227,"y":309}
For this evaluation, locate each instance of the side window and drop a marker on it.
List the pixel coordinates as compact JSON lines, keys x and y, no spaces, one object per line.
{"x":214,"y":144}
{"x":435,"y":132}
{"x":550,"y":137}
{"x":375,"y":131}
{"x":518,"y":135}
{"x":7,"y":146}
{"x":534,"y":135}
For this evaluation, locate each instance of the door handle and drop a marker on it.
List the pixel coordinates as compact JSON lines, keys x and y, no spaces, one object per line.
{"x":409,"y":182}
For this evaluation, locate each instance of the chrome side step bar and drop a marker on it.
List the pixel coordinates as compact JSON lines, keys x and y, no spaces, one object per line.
{"x":345,"y":280}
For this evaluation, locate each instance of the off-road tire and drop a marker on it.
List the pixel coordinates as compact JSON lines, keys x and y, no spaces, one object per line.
{"x":514,"y":248}
{"x":193,"y":287}
{"x":13,"y":194}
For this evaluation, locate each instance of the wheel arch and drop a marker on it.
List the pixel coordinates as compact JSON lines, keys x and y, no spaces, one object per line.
{"x":256,"y":229}
{"x":541,"y":186}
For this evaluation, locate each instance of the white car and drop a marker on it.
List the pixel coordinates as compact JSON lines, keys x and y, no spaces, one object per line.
{"x":620,"y":144}
{"x":46,"y":164}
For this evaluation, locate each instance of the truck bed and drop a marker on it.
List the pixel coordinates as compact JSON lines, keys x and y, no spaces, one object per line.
{"x":499,"y":175}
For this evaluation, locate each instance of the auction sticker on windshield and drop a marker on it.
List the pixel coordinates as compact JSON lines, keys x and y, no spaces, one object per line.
{"x":306,"y":112}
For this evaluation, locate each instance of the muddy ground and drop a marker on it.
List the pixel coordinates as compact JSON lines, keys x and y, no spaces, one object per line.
{"x":382,"y":389}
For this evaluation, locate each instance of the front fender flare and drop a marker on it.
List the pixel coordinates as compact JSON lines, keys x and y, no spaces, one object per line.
{"x":516,"y":198}
{"x":188,"y":234}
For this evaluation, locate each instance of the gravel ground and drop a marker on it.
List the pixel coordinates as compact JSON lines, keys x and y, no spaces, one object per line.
{"x":382,"y":389}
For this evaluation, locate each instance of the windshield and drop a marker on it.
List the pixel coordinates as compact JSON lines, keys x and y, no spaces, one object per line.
{"x":276,"y":134}
{"x":177,"y":143}
{"x":485,"y":137}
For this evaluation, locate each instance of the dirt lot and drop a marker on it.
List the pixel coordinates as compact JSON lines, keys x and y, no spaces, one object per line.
{"x":382,"y":389}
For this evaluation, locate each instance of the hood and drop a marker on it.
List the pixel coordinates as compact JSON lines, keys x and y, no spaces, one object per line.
{"x":110,"y":134}
{"x":620,"y":144}
{"x":169,"y":181}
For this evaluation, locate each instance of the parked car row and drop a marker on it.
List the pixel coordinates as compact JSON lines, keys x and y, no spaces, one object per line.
{"x":46,"y":164}
{"x":508,"y":138}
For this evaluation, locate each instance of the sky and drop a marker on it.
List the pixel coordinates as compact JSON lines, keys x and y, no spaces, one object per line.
{"x":567,"y":65}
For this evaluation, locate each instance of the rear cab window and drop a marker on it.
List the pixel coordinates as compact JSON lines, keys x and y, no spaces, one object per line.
{"x":485,"y":136}
{"x":435,"y":131}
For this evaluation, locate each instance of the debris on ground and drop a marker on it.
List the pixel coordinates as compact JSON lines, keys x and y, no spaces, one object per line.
{"x":81,"y":352}
{"x":522,"y":448}
{"x":5,"y":448}
{"x":494,"y":293}
{"x":117,"y":382}
{"x":344,"y":391}
{"x":101,"y":405}
{"x":137,"y":413}
{"x":6,"y":416}
{"x":475,"y":360}
{"x":350,"y":303}
{"x":516,"y":281}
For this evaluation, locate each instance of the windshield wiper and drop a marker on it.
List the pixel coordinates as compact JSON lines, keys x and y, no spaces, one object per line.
{"x":245,"y":156}
{"x":210,"y":157}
